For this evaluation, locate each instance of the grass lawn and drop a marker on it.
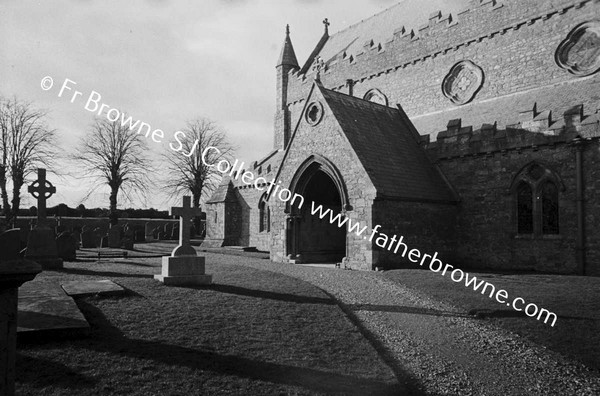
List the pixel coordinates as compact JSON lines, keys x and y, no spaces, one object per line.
{"x":252,"y":333}
{"x":574,"y":299}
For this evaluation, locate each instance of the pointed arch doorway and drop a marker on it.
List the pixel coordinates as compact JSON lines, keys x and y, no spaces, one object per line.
{"x":310,"y":239}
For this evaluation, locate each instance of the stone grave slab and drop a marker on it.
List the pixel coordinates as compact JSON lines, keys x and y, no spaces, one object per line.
{"x":85,"y":288}
{"x":45,"y":308}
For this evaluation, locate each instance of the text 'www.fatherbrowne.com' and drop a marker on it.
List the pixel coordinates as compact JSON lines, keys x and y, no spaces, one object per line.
{"x":397,"y":245}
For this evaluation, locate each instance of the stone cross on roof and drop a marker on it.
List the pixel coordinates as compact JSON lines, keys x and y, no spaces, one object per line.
{"x":318,"y":67}
{"x":185,"y":213}
{"x":41,"y":189}
{"x":326,"y":23}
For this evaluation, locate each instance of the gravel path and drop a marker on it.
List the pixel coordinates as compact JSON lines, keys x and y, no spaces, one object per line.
{"x":436,"y":350}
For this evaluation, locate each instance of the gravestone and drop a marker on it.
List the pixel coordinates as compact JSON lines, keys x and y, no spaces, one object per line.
{"x":167,"y":230}
{"x":41,"y":243}
{"x":9,"y":243}
{"x":98,"y":234}
{"x":115,"y":235}
{"x":149,"y":231}
{"x":60,"y":229}
{"x":139,"y":234}
{"x":14,"y":271}
{"x":24,"y":235}
{"x":127,"y":241}
{"x":88,"y":239}
{"x":127,"y":244}
{"x":77,"y":236}
{"x":175,"y":232}
{"x":66,"y":246}
{"x":128,"y":233}
{"x":184,"y":267}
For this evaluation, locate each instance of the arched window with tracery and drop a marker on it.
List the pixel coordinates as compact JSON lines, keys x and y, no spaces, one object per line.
{"x":549,"y":198}
{"x":536,"y":195}
{"x":524,"y":209}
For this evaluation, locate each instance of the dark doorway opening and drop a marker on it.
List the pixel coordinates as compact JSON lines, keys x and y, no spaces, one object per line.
{"x":312,"y":239}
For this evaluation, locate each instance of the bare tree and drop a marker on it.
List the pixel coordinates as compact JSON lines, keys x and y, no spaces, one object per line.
{"x":26,"y":143}
{"x":186,"y":171}
{"x":114,"y":155}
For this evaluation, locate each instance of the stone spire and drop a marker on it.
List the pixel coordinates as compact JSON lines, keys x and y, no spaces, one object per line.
{"x":288,"y":56}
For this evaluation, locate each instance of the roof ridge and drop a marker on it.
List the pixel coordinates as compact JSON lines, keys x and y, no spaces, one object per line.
{"x":359,"y":98}
{"x":366,"y":19}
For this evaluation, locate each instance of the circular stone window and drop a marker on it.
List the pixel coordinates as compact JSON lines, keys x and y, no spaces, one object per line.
{"x":314,"y":113}
{"x":376,"y":96}
{"x":463,"y":82}
{"x":579,"y":53}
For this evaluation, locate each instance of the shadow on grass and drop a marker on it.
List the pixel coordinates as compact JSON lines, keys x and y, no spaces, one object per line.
{"x":42,"y":373}
{"x":242,"y":291}
{"x":113,"y":341}
{"x":79,"y":271}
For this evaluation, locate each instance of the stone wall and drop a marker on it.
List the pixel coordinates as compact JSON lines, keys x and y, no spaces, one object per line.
{"x":513,"y":44}
{"x":512,"y":41}
{"x":250,"y":230}
{"x":428,"y":227}
{"x":482,"y":164}
{"x":331,"y":145}
{"x":95,"y":222}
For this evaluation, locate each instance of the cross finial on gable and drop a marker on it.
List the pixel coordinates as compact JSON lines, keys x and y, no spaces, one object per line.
{"x":318,"y":67}
{"x":326,"y":23}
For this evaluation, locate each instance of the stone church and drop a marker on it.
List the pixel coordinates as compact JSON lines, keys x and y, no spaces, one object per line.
{"x":474,"y":135}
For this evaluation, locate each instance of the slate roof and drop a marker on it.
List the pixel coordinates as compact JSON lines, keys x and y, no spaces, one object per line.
{"x":224,"y":193}
{"x":381,"y":27}
{"x":266,"y":167}
{"x":287,"y":55}
{"x":386,"y":144}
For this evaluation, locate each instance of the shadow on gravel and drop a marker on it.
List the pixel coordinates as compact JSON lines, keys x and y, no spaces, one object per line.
{"x":242,"y":291}
{"x":511,"y":313}
{"x":110,"y":339}
{"x":402,"y":309}
{"x":412,"y":386}
{"x":78,"y":271}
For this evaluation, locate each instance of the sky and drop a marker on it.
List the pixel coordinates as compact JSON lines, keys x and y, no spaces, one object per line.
{"x":164,"y":63}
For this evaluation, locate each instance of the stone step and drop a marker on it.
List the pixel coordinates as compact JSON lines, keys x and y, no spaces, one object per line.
{"x":45,"y":310}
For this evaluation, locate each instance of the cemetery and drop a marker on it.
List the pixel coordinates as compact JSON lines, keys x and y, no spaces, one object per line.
{"x":381,"y":219}
{"x":108,"y":322}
